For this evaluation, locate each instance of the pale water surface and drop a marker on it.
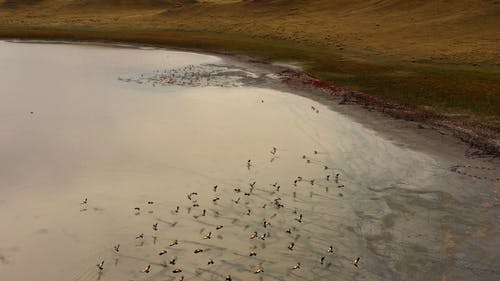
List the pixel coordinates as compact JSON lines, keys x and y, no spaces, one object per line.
{"x":408,"y":215}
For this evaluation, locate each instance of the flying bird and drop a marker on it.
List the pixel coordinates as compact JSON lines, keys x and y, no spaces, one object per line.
{"x":299,"y":219}
{"x":259,"y":269}
{"x":356,"y":262}
{"x":100,"y":266}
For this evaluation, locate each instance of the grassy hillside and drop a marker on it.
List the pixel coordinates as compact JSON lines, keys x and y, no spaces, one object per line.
{"x":436,"y":55}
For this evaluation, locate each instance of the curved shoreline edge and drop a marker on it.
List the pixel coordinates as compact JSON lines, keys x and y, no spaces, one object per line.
{"x":485,"y":141}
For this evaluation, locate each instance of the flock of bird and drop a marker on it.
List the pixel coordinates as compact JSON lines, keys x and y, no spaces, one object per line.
{"x":199,"y":76}
{"x":330,"y":177}
{"x":194,"y":76}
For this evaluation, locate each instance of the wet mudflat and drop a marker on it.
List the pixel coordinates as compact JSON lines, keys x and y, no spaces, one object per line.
{"x":107,"y":146}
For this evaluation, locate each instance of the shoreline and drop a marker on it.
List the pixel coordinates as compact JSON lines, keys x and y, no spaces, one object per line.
{"x":481,"y":141}
{"x":131,"y":125}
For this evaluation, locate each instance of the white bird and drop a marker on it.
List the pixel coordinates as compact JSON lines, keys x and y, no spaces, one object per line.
{"x":299,"y":219}
{"x":266,"y":223}
{"x":297,"y":266}
{"x":100,"y":265}
{"x":355,"y":262}
{"x":330,"y":249}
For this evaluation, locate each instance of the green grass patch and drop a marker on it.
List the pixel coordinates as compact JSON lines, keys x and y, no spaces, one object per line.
{"x":471,"y":94}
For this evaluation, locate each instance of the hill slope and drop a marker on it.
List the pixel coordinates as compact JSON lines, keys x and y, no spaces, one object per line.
{"x":436,"y":55}
{"x":459,"y":31}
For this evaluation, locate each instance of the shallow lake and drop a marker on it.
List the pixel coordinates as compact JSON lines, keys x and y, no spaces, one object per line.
{"x":125,"y":126}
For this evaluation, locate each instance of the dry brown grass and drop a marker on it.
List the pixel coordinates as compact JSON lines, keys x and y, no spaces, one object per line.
{"x":436,"y":55}
{"x":461,"y":31}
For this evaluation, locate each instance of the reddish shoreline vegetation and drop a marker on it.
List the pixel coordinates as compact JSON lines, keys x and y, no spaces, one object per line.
{"x":480,"y":137}
{"x":158,"y":143}
{"x":430,"y":61}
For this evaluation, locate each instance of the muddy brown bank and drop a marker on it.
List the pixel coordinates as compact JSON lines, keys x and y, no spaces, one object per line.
{"x":136,"y":130}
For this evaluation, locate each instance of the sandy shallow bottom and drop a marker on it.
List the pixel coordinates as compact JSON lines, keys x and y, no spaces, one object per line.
{"x":123,"y":127}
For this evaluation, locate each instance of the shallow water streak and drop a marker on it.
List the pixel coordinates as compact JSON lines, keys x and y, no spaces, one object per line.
{"x":72,"y":128}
